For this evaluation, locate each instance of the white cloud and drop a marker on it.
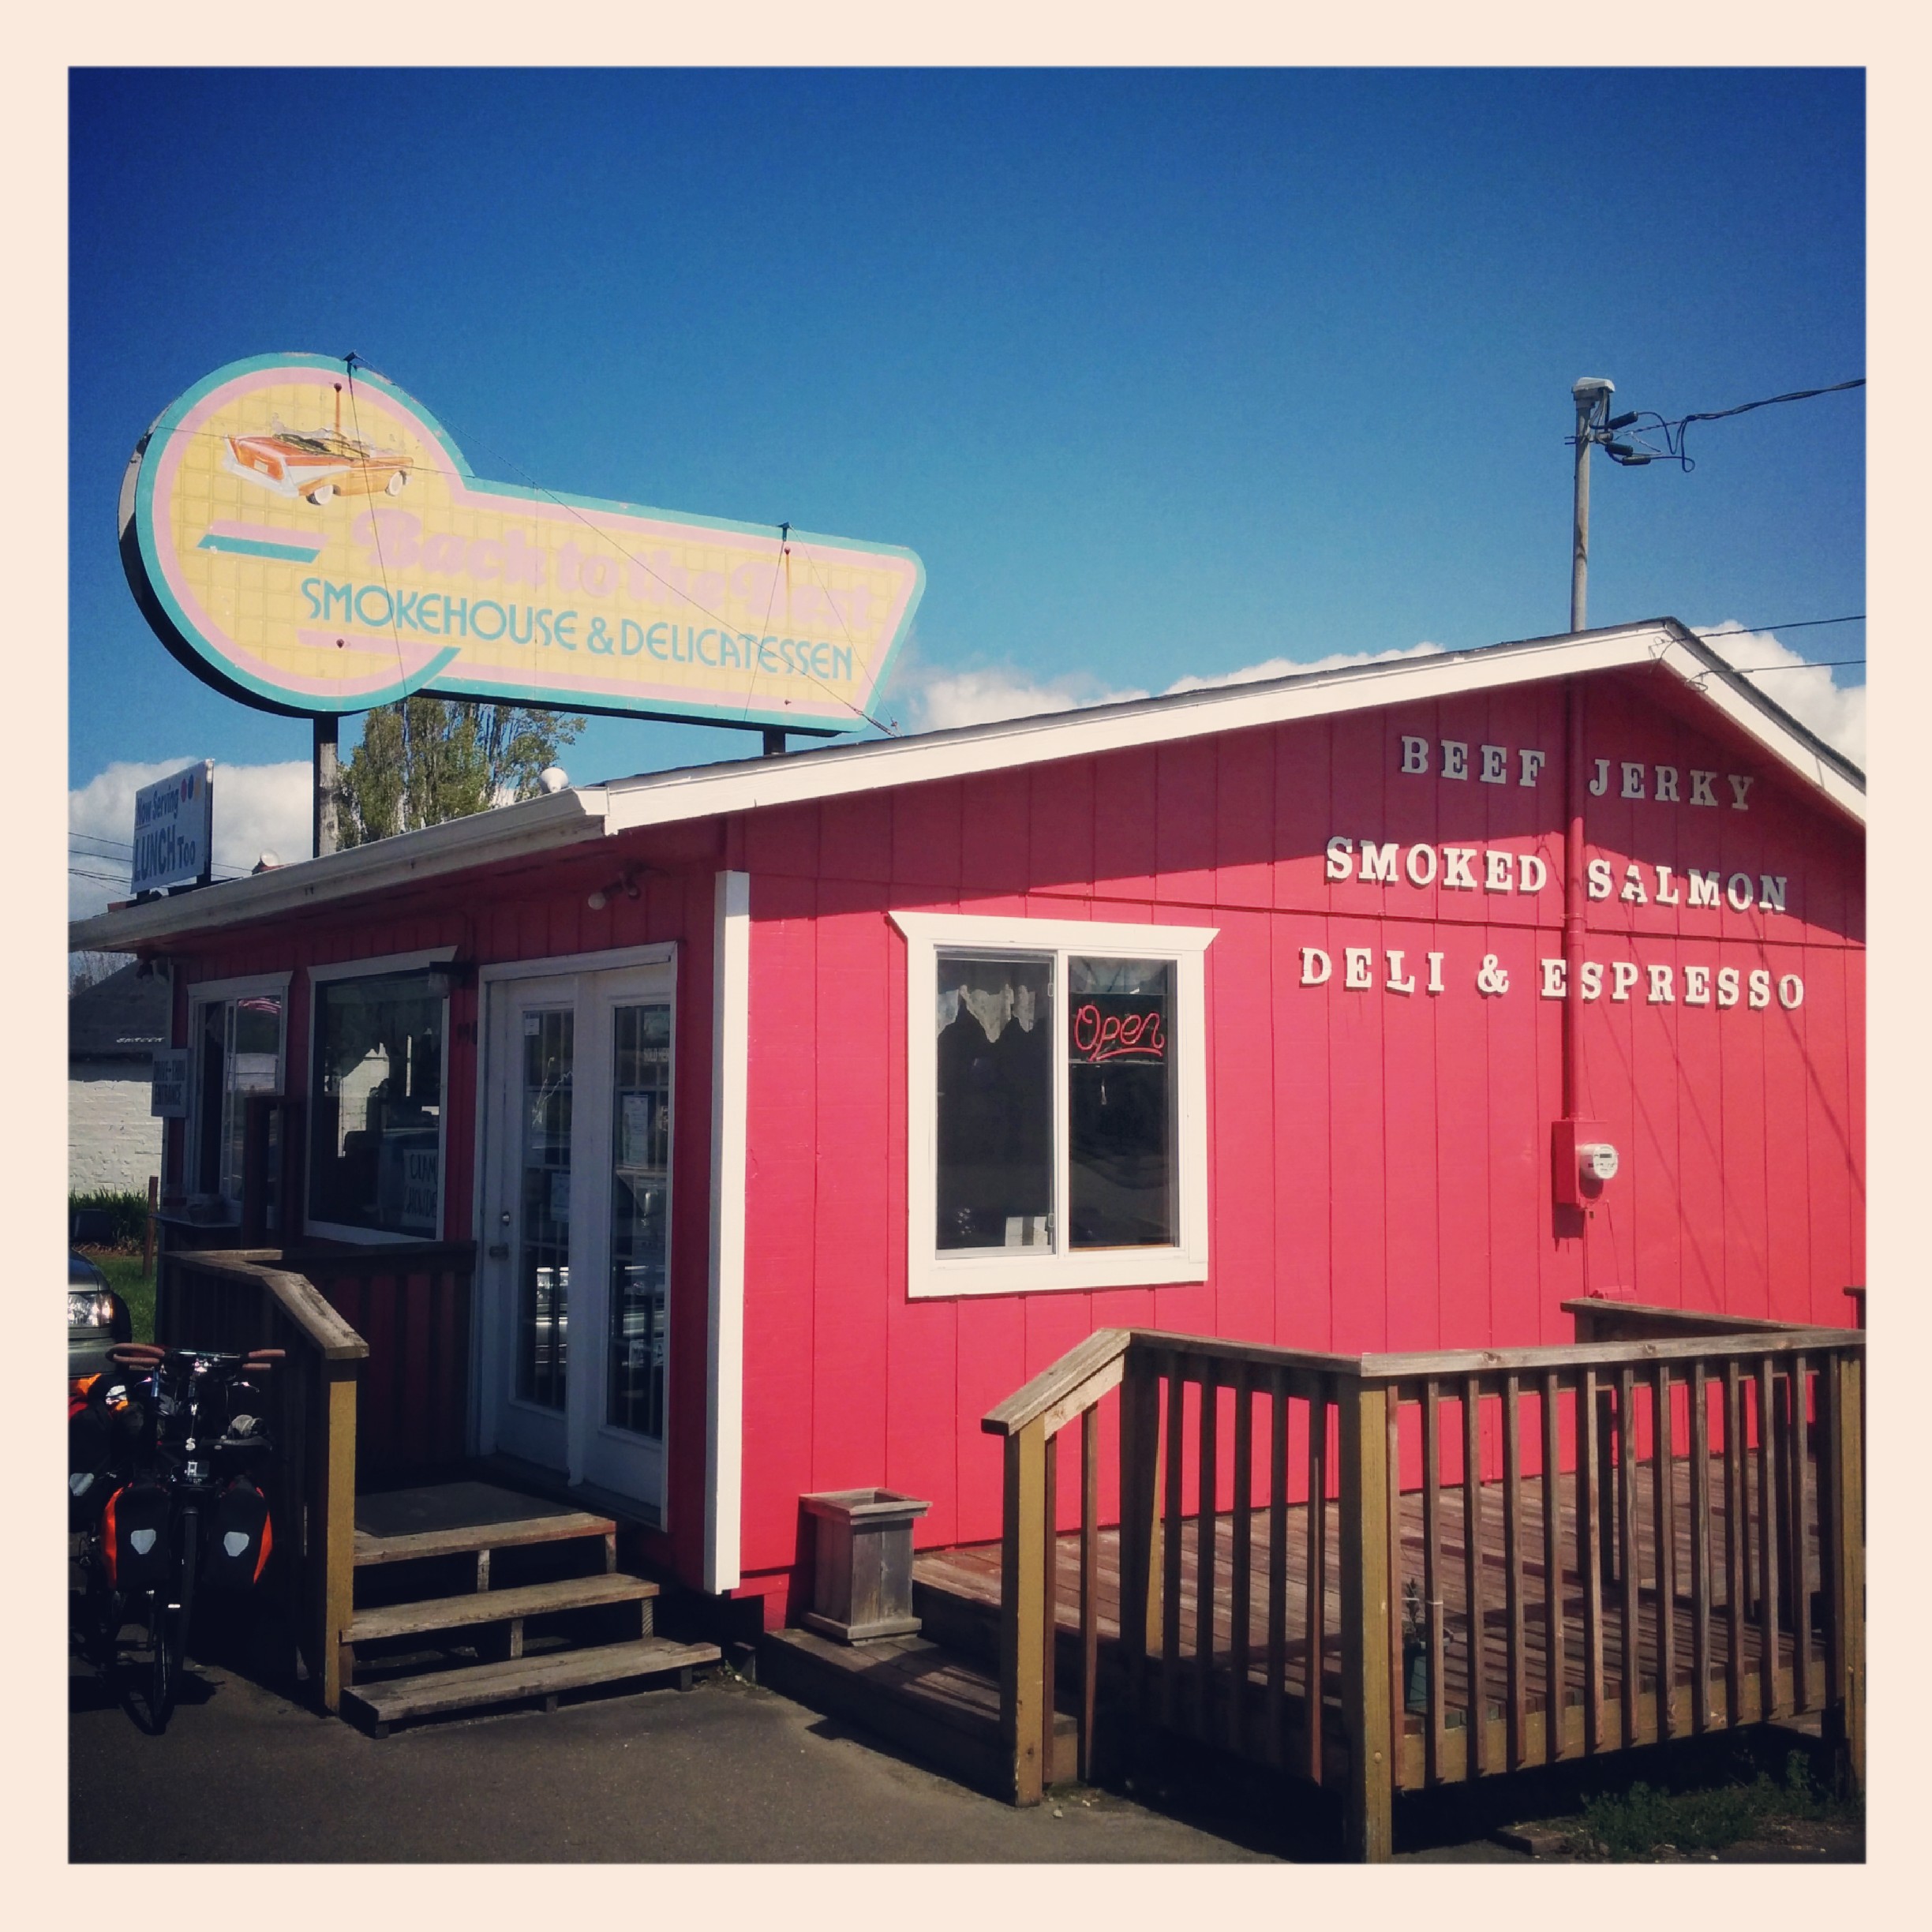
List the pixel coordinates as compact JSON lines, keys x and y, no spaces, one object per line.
{"x":1835,"y":711}
{"x":1291,"y":667}
{"x":258,"y":808}
{"x":942,"y":699}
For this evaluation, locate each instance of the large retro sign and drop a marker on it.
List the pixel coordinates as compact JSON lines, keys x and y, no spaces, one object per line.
{"x":308,"y":538}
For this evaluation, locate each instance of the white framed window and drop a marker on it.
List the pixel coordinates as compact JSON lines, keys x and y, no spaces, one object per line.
{"x":236,"y":1030}
{"x":1057,"y":1104}
{"x":378,"y":1043}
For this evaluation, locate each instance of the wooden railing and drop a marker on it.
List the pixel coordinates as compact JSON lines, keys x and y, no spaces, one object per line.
{"x":240,"y":1299}
{"x":1402,"y":1598}
{"x":1031,"y":1422}
{"x":411,"y":1301}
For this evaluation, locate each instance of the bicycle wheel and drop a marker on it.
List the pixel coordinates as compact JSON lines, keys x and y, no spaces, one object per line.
{"x":102,"y":1610}
{"x":167,"y":1629}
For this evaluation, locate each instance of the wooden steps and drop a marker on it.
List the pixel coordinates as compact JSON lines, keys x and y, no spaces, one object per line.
{"x":438,"y":1693}
{"x":936,"y":1704}
{"x":553,"y":1561}
{"x":511,"y":1606}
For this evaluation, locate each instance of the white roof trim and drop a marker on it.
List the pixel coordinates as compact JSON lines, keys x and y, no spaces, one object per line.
{"x":662,"y":798}
{"x":511,"y":831}
{"x":704,"y":791}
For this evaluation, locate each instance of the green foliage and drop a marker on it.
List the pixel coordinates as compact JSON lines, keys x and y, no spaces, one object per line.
{"x":127,"y":1212}
{"x":429,"y":759}
{"x":1643,"y":1820}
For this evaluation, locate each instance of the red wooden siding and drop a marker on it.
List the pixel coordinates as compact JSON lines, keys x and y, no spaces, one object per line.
{"x":1379,"y":1164}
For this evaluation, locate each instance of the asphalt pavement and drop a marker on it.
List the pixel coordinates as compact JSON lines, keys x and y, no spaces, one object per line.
{"x":727,"y":1772}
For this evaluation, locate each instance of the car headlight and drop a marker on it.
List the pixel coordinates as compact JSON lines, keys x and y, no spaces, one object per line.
{"x":90,"y":1307}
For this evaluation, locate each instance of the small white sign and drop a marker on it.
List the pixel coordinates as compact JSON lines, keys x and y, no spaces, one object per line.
{"x":174,"y":830}
{"x":168,"y":1092}
{"x":420,"y":1170}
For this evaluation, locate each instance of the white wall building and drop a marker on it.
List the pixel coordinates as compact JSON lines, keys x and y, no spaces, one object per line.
{"x":113,"y":1029}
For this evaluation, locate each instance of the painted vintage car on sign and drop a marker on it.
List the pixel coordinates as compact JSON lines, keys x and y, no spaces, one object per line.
{"x":317,"y":464}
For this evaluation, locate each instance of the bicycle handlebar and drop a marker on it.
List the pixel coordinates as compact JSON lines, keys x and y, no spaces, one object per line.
{"x":149,"y":1355}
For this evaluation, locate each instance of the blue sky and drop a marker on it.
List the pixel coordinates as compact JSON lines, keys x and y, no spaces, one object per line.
{"x":1164,"y":375}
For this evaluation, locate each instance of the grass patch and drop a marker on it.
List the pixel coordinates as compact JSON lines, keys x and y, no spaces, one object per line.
{"x":1644,"y":1821}
{"x":125,"y":1277}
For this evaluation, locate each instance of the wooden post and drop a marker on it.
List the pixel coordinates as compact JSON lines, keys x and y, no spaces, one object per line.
{"x":337,"y":1515}
{"x":1365,"y":1619}
{"x":1516,"y":1674}
{"x":1089,"y":1587}
{"x":1239,"y":1587}
{"x":1050,"y":1597}
{"x":1023,"y":1606}
{"x":1846,"y":1606}
{"x":1591,"y":1502}
{"x":1140,"y":1532}
{"x":1555,"y":1667}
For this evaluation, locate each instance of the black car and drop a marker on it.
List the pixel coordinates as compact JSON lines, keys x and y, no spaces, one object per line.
{"x":97,"y":1318}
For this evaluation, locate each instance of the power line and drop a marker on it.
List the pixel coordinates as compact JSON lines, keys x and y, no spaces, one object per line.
{"x":1638,"y":423}
{"x":1810,"y":663}
{"x":1795,"y":624}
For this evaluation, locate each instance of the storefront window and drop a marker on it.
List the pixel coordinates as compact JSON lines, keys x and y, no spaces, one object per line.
{"x":1057,"y":1107}
{"x":994,"y":1095}
{"x":237,"y":1052}
{"x":376,"y":1114}
{"x":1120,"y":1103}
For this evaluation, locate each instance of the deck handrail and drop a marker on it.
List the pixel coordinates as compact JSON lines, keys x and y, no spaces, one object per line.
{"x":1593,"y":1459}
{"x":1070,"y":1384}
{"x":238,"y":1299}
{"x":1598,"y":1318}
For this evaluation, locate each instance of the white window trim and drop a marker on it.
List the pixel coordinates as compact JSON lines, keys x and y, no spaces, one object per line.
{"x":374,"y":968}
{"x":928,"y":1272}
{"x":731,"y":1031}
{"x":218,"y":993}
{"x":379,"y":967}
{"x":660,"y":953}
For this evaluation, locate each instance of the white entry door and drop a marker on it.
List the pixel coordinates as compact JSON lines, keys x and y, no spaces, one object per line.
{"x":577,"y":1220}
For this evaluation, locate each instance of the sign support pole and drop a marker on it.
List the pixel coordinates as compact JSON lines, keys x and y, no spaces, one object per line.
{"x":326,"y":771}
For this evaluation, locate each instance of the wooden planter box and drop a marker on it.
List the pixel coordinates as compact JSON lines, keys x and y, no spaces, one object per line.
{"x":862,"y":1579}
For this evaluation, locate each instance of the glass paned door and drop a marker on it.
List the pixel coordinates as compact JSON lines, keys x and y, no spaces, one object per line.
{"x":640,"y":1196}
{"x":577,"y":1217}
{"x":544,"y":1243}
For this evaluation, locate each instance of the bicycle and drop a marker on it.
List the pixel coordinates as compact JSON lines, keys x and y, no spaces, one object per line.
{"x":186,"y":1436}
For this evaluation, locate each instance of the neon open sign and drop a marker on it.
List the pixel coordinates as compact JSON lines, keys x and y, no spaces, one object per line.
{"x":1098,"y":1035}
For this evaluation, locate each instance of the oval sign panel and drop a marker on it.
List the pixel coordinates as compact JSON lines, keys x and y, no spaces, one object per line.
{"x":306,"y":536}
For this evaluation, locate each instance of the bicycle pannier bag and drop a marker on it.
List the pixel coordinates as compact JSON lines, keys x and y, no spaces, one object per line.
{"x":134,"y":1537}
{"x":239,"y":1537}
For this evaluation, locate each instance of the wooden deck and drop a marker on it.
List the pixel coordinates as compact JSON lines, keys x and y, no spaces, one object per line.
{"x":1731,"y":1644}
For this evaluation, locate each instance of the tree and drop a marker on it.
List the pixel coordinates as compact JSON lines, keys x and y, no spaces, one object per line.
{"x":429,"y":759}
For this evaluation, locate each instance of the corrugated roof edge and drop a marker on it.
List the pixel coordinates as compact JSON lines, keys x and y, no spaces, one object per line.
{"x":691,"y":792}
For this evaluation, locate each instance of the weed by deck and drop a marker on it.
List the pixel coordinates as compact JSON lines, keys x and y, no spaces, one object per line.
{"x":1646,"y":1820}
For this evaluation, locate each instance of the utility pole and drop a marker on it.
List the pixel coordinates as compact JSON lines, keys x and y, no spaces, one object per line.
{"x":327,"y":773}
{"x":1592,"y":395}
